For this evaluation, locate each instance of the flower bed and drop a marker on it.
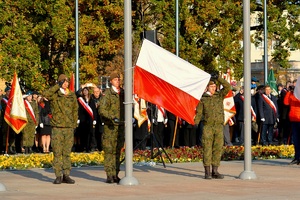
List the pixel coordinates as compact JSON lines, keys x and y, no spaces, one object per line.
{"x":180,"y":155}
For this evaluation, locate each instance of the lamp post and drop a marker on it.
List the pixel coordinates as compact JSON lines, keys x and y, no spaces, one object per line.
{"x":265,"y":57}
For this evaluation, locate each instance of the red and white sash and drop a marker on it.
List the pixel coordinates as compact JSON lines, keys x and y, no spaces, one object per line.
{"x":30,"y":110}
{"x":270,"y":103}
{"x":162,"y":110}
{"x":5,"y":100}
{"x":253,"y":114}
{"x":86,"y":107}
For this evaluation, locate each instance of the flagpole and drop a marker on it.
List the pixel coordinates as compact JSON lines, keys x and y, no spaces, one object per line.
{"x":128,"y":179}
{"x":247,"y":173}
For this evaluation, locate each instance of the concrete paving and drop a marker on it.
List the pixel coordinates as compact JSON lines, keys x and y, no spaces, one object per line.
{"x":275,"y":180}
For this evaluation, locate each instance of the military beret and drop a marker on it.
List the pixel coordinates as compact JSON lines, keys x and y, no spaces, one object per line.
{"x":62,"y":77}
{"x":114,"y":75}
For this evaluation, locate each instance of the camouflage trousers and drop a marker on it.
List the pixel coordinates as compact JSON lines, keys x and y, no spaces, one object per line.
{"x":113,"y":141}
{"x":212,"y":142}
{"x":28,"y":136}
{"x":62,"y":141}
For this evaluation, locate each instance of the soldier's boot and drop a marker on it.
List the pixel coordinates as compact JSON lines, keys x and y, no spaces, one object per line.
{"x":58,"y":180}
{"x":207,"y":172}
{"x":109,"y":179}
{"x":216,"y":174}
{"x":67,"y":179}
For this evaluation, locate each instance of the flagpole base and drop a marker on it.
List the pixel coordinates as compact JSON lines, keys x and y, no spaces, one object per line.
{"x":2,"y":187}
{"x":248,"y":175}
{"x":128,"y":181}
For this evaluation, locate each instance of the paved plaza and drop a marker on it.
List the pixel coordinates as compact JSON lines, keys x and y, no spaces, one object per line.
{"x":275,"y":180}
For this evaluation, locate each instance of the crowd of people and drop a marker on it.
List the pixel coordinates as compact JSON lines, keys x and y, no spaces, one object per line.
{"x":90,"y":119}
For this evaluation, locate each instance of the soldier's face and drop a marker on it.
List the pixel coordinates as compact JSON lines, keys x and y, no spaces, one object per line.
{"x":65,"y":85}
{"x":115,"y":82}
{"x":212,"y":88}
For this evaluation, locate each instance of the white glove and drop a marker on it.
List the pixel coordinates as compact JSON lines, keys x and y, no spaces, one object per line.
{"x":263,"y":119}
{"x":153,"y":120}
{"x":94,"y":122}
{"x":165,"y":121}
{"x":277,"y":119}
{"x":41,"y":125}
{"x":78,"y":121}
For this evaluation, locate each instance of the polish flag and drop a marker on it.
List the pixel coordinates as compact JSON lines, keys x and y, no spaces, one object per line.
{"x":15,"y":112}
{"x":229,"y":108}
{"x":166,"y":80}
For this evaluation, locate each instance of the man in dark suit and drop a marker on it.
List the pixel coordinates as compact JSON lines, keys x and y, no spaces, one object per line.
{"x":268,"y":111}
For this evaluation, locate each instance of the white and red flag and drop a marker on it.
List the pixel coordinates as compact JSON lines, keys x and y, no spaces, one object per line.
{"x":229,"y":108}
{"x":166,"y":80}
{"x":15,"y":113}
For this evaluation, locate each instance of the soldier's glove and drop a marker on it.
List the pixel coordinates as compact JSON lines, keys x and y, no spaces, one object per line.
{"x":60,"y":83}
{"x":116,"y":120}
{"x":215,"y":75}
{"x":94,"y":122}
{"x":263,"y":119}
{"x":41,"y":125}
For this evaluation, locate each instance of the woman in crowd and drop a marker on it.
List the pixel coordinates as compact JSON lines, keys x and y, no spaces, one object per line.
{"x":45,"y":128}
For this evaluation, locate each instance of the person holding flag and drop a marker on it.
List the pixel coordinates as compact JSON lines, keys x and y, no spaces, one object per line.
{"x":14,"y":117}
{"x":29,"y":130}
{"x":211,"y":108}
{"x":64,"y":107}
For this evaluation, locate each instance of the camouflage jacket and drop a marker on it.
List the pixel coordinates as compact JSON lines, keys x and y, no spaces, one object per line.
{"x":210,"y":108}
{"x":111,"y":106}
{"x":64,"y":108}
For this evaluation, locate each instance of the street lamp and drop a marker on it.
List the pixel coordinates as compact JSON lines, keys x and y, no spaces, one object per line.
{"x":258,"y":2}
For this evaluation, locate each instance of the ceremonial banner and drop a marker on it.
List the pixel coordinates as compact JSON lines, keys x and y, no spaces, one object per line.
{"x":166,"y":80}
{"x":15,"y":113}
{"x":140,"y":110}
{"x":272,"y":82}
{"x":229,"y":108}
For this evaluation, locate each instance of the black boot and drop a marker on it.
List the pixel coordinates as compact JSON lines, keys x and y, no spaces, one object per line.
{"x":215,"y":173}
{"x":58,"y":180}
{"x":109,"y":179}
{"x":207,"y":172}
{"x":68,"y":180}
{"x":116,"y":179}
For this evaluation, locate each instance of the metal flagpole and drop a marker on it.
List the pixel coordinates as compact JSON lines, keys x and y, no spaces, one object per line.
{"x":265,"y":42}
{"x":128,"y":179}
{"x":247,"y":173}
{"x":76,"y":47}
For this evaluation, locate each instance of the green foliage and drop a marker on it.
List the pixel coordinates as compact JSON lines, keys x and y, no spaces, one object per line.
{"x":38,"y":37}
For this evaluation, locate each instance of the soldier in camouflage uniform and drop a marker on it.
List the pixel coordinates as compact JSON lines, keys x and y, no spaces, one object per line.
{"x":111,"y":109}
{"x":212,"y":110}
{"x":64,"y":107}
{"x":29,"y":130}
